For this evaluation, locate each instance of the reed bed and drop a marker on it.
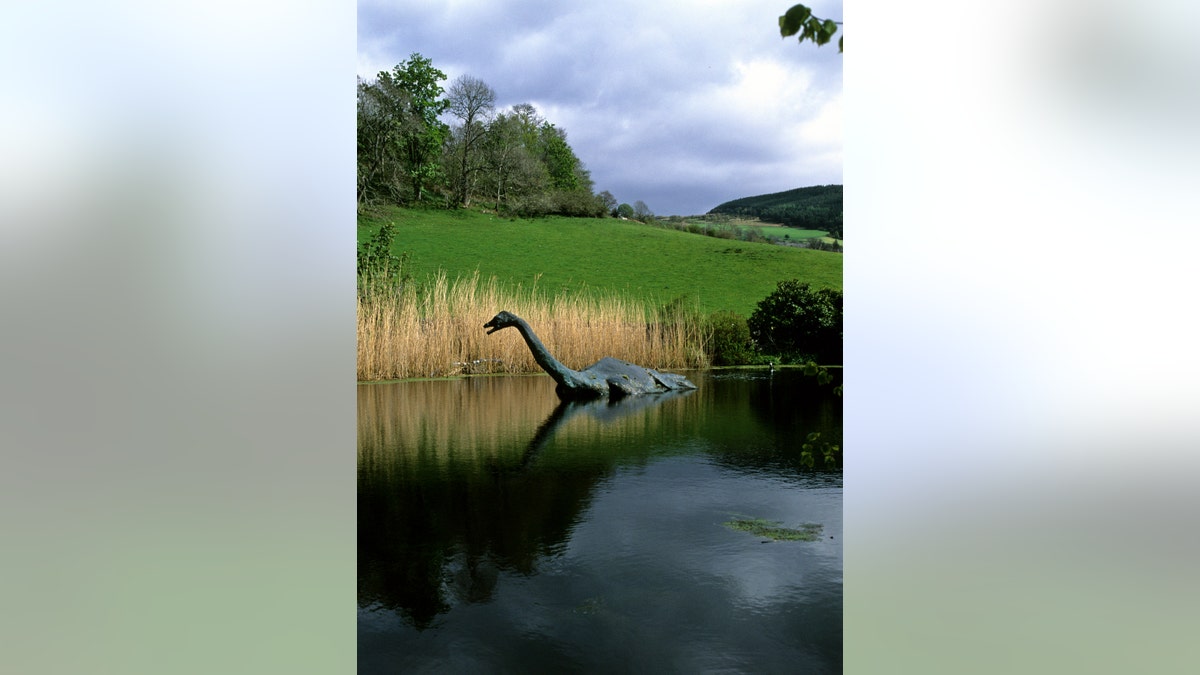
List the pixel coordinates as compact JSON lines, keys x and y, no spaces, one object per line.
{"x":437,"y":330}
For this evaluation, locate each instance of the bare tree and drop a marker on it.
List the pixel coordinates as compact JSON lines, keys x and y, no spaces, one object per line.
{"x":471,"y":101}
{"x":608,"y":201}
{"x":641,"y":211}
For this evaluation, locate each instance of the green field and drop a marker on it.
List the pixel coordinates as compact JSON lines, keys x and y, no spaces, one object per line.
{"x":600,"y":256}
{"x":778,"y":231}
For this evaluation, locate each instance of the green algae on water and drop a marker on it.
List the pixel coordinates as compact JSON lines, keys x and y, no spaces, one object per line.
{"x":775,"y":530}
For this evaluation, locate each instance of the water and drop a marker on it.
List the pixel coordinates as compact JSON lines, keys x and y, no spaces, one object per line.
{"x":502,"y":531}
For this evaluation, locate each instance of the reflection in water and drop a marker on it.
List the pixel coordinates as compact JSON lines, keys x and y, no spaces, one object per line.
{"x":605,"y":411}
{"x":491,"y":493}
{"x":449,"y":486}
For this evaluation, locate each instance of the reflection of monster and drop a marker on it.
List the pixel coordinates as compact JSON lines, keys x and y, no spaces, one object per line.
{"x":434,"y":533}
{"x":607,"y":377}
{"x":602,"y":410}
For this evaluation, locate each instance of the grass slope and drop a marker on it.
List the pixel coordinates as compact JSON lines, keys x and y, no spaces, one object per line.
{"x":601,"y":256}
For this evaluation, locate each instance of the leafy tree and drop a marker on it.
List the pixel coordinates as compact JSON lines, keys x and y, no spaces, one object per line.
{"x":799,"y":323}
{"x":471,"y":100}
{"x":517,"y":158}
{"x":800,"y":19}
{"x":532,"y":170}
{"x":624,"y":211}
{"x":513,"y":172}
{"x":414,"y":83}
{"x":530,"y":122}
{"x":569,"y":184}
{"x":561,"y":162}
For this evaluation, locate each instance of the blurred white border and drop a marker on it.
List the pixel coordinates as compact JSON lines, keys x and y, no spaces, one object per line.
{"x":176,"y":286}
{"x":1021,"y":372}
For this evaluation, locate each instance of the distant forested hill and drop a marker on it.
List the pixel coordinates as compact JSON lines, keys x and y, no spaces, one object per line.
{"x":812,"y":208}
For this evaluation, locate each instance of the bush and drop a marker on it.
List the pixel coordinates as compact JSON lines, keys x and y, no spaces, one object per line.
{"x":729,"y":342}
{"x":576,"y":203}
{"x":531,"y":205}
{"x":799,"y":323}
{"x":378,"y":267}
{"x":749,"y":234}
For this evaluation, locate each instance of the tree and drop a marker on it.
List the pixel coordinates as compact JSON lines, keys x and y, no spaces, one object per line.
{"x":641,"y":211}
{"x":799,"y":323}
{"x":512,"y":171}
{"x":471,"y":100}
{"x":569,"y":184}
{"x":381,"y":117}
{"x":529,"y":121}
{"x":561,"y":162}
{"x":607,"y":201}
{"x":624,"y":211}
{"x":414,"y":84}
{"x":800,"y":19}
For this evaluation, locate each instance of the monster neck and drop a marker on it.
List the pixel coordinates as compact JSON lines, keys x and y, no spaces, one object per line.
{"x":561,"y":374}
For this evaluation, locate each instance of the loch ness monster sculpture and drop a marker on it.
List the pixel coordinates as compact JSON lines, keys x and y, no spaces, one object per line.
{"x":608,"y":377}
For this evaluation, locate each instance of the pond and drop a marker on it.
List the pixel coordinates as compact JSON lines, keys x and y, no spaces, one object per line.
{"x":500,"y":530}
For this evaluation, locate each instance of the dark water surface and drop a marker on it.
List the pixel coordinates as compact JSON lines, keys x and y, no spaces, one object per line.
{"x":502,"y":531}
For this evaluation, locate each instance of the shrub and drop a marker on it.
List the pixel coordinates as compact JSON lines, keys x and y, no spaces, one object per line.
{"x":378,"y":267}
{"x":576,"y":203}
{"x":729,"y":342}
{"x":799,"y":323}
{"x":532,"y":205}
{"x":749,"y":234}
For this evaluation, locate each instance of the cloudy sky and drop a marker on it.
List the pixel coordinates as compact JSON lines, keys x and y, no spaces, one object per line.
{"x":682,"y":104}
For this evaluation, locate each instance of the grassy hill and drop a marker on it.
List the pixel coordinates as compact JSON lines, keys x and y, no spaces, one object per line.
{"x":600,"y":256}
{"x":818,"y":207}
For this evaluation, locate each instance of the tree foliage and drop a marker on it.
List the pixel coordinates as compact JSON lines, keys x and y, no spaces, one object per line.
{"x":398,"y":126}
{"x":561,"y":162}
{"x":422,"y":141}
{"x":800,"y":19}
{"x":516,"y":159}
{"x":381,"y":117}
{"x":799,"y":323}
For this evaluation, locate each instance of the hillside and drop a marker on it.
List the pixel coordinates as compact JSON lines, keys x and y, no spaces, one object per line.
{"x":816,"y":208}
{"x":600,"y":256}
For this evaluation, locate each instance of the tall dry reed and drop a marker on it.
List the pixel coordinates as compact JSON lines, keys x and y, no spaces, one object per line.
{"x":438,"y":330}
